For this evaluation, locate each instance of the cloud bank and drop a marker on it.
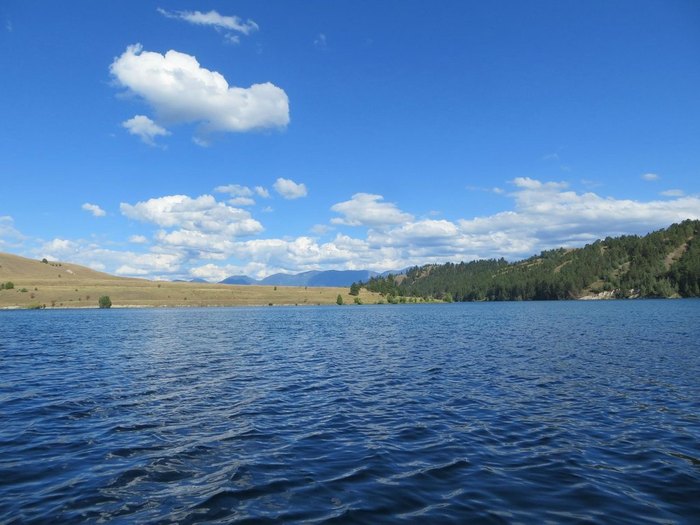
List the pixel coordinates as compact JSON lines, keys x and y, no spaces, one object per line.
{"x":210,"y":239}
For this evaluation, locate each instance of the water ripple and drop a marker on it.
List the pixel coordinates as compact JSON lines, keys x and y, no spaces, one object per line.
{"x":486,"y":413}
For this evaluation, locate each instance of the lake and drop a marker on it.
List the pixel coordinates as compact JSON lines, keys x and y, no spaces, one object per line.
{"x":481,"y":413}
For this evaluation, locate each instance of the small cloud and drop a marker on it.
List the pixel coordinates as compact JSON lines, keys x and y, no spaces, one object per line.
{"x":144,"y":128}
{"x":673,"y":193}
{"x":232,"y":39}
{"x":215,"y":20}
{"x":320,"y":41}
{"x":551,"y":156}
{"x":367,"y":209}
{"x":234,"y":190}
{"x":650,"y":177}
{"x":495,"y":189}
{"x":321,"y":229}
{"x":8,"y":26}
{"x":268,"y":209}
{"x":138,"y":239}
{"x":8,"y":230}
{"x":94,"y":209}
{"x":262,"y":192}
{"x":241,"y":201}
{"x":289,"y":189}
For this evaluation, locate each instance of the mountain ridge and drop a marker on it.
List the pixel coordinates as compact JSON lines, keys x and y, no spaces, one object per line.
{"x":664,"y":263}
{"x":341,"y":278}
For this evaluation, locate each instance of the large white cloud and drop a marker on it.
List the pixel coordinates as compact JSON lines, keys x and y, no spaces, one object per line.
{"x":203,"y":213}
{"x":366,"y":209}
{"x":201,"y":225}
{"x":181,"y":91}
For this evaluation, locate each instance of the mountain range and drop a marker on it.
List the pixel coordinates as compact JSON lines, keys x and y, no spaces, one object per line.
{"x":311,"y":278}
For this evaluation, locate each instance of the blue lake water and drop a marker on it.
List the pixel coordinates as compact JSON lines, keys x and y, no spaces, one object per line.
{"x":478,"y":413}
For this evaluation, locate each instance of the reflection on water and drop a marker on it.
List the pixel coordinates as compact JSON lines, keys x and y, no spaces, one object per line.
{"x":524,"y":412}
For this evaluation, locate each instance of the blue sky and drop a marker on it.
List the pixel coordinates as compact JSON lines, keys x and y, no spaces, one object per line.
{"x":181,"y":139}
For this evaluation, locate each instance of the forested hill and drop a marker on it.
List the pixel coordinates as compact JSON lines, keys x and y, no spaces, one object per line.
{"x":665,"y":263}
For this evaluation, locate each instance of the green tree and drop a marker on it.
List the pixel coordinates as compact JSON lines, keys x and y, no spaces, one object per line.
{"x":105,"y":302}
{"x":355,"y":289}
{"x":339,"y":300}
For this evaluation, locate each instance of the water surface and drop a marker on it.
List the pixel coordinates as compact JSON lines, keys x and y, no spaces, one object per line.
{"x":484,"y":413}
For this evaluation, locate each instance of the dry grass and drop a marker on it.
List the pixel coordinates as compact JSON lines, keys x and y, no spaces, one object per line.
{"x":72,"y":286}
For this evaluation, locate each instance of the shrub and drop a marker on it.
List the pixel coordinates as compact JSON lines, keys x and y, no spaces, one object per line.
{"x":358,"y":300}
{"x":9,"y":285}
{"x":105,"y":302}
{"x":339,"y":300}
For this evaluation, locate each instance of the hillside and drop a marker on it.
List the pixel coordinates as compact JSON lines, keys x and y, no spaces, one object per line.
{"x":37,"y":284}
{"x":665,"y":263}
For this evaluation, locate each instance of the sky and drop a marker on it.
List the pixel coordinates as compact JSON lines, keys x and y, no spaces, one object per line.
{"x":181,"y":140}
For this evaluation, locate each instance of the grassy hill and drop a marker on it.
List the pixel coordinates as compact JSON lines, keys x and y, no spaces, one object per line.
{"x":665,"y":263}
{"x":55,"y":284}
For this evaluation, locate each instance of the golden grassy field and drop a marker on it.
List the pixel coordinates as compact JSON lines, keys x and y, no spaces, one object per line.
{"x":64,"y":285}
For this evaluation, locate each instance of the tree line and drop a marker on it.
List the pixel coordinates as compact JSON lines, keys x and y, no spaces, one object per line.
{"x":665,"y":263}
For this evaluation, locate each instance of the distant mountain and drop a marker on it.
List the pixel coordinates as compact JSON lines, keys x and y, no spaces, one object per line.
{"x":311,"y":278}
{"x":239,"y":279}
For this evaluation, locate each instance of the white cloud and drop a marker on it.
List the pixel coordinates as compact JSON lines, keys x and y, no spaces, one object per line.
{"x":262,"y":192}
{"x":181,"y":91}
{"x":59,"y":249}
{"x":289,"y":189}
{"x":202,"y":237}
{"x":234,"y":190}
{"x":7,"y":227}
{"x":213,"y":19}
{"x":203,"y":213}
{"x":148,"y":264}
{"x":650,"y":177}
{"x":241,"y":201}
{"x":144,"y":128}
{"x":138,"y":239}
{"x":320,"y":229}
{"x":9,"y":235}
{"x":366,"y":209}
{"x":673,"y":193}
{"x":202,"y":227}
{"x":94,"y":209}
